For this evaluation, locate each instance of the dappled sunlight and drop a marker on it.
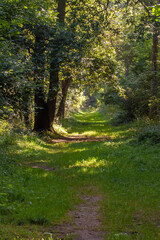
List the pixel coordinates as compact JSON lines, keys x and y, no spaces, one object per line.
{"x":86,"y":133}
{"x":79,"y":120}
{"x":92,"y":162}
{"x":60,"y":129}
{"x":29,"y":145}
{"x":96,"y":124}
{"x":40,"y":172}
{"x":50,"y":178}
{"x":90,"y":118}
{"x":114,"y":144}
{"x":66,"y":149}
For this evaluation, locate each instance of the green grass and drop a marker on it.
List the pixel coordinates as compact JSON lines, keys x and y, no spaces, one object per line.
{"x":33,"y":201}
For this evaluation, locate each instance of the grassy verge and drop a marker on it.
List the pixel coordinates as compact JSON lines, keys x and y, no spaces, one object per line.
{"x":33,"y":200}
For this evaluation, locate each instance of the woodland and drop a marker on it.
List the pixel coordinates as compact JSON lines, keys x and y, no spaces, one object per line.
{"x":53,"y":49}
{"x":79,"y":119}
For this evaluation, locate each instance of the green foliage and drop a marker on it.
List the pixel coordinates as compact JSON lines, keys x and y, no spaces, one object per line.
{"x":17,"y":46}
{"x":75,"y":102}
{"x":126,"y":174}
{"x":154,"y":103}
{"x":156,"y":12}
{"x":131,"y":84}
{"x":132,"y":90}
{"x":150,"y":134}
{"x":122,"y":117}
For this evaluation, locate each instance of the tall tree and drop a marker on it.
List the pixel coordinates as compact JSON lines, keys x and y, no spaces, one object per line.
{"x":45,"y":109}
{"x":65,"y":86}
{"x":68,"y":42}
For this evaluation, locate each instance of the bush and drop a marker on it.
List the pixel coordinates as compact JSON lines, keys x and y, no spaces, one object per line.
{"x":149,"y":134}
{"x":133,"y":96}
{"x":121,"y":117}
{"x":154,"y":106}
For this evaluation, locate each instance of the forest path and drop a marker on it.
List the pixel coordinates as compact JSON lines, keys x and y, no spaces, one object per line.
{"x":85,"y":221}
{"x":79,"y":139}
{"x":81,"y":190}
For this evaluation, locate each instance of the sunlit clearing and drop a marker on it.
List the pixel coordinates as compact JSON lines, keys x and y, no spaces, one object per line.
{"x":92,"y":162}
{"x":31,"y":145}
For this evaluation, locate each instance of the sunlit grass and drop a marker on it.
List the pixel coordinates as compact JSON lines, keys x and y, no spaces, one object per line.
{"x":32,"y":200}
{"x":85,"y":134}
{"x":29,"y":145}
{"x":92,"y":162}
{"x":60,"y":129}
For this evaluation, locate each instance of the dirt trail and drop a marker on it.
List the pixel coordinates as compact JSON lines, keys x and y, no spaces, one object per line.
{"x":78,"y":139}
{"x":86,"y":223}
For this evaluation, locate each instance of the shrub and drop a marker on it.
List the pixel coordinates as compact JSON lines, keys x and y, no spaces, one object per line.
{"x":150,"y":134}
{"x":121,"y":117}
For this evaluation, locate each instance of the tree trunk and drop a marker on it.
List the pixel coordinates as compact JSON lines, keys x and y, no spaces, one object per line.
{"x":45,"y":111}
{"x":61,"y":10}
{"x":154,"y":108}
{"x":26,"y":106}
{"x":154,"y":81}
{"x":65,"y":86}
{"x":52,"y":96}
{"x":54,"y":72}
{"x":41,"y":120}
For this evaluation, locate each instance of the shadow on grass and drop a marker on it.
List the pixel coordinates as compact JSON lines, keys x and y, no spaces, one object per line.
{"x":127,"y":175}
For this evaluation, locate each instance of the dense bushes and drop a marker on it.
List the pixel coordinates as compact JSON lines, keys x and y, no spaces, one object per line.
{"x":136,"y":100}
{"x":150,"y":134}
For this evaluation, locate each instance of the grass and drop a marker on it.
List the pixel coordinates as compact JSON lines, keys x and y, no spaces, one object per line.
{"x":33,"y":201}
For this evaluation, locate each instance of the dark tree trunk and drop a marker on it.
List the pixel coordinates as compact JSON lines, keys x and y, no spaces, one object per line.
{"x":52,"y":96}
{"x":126,"y":70}
{"x":26,"y":107}
{"x":45,"y":110}
{"x":54,"y":72}
{"x":154,"y":108}
{"x":41,"y":116}
{"x":65,"y":86}
{"x":61,"y":10}
{"x":154,"y":83}
{"x":41,"y":120}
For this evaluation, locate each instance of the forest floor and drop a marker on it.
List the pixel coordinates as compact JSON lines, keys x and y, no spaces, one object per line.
{"x":96,"y":183}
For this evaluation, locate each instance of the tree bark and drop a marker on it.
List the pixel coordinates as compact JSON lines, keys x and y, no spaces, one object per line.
{"x":54,"y":72}
{"x":61,"y":10}
{"x":154,"y":108}
{"x":154,"y":83}
{"x":45,"y":110}
{"x":65,"y":86}
{"x":41,"y":120}
{"x":52,"y":96}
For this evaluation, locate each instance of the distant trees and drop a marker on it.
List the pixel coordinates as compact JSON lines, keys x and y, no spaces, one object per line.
{"x":48,"y":47}
{"x":137,"y":90}
{"x":40,"y":43}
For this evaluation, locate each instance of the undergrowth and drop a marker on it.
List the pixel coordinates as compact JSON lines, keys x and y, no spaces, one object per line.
{"x":150,"y":134}
{"x":125,"y":169}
